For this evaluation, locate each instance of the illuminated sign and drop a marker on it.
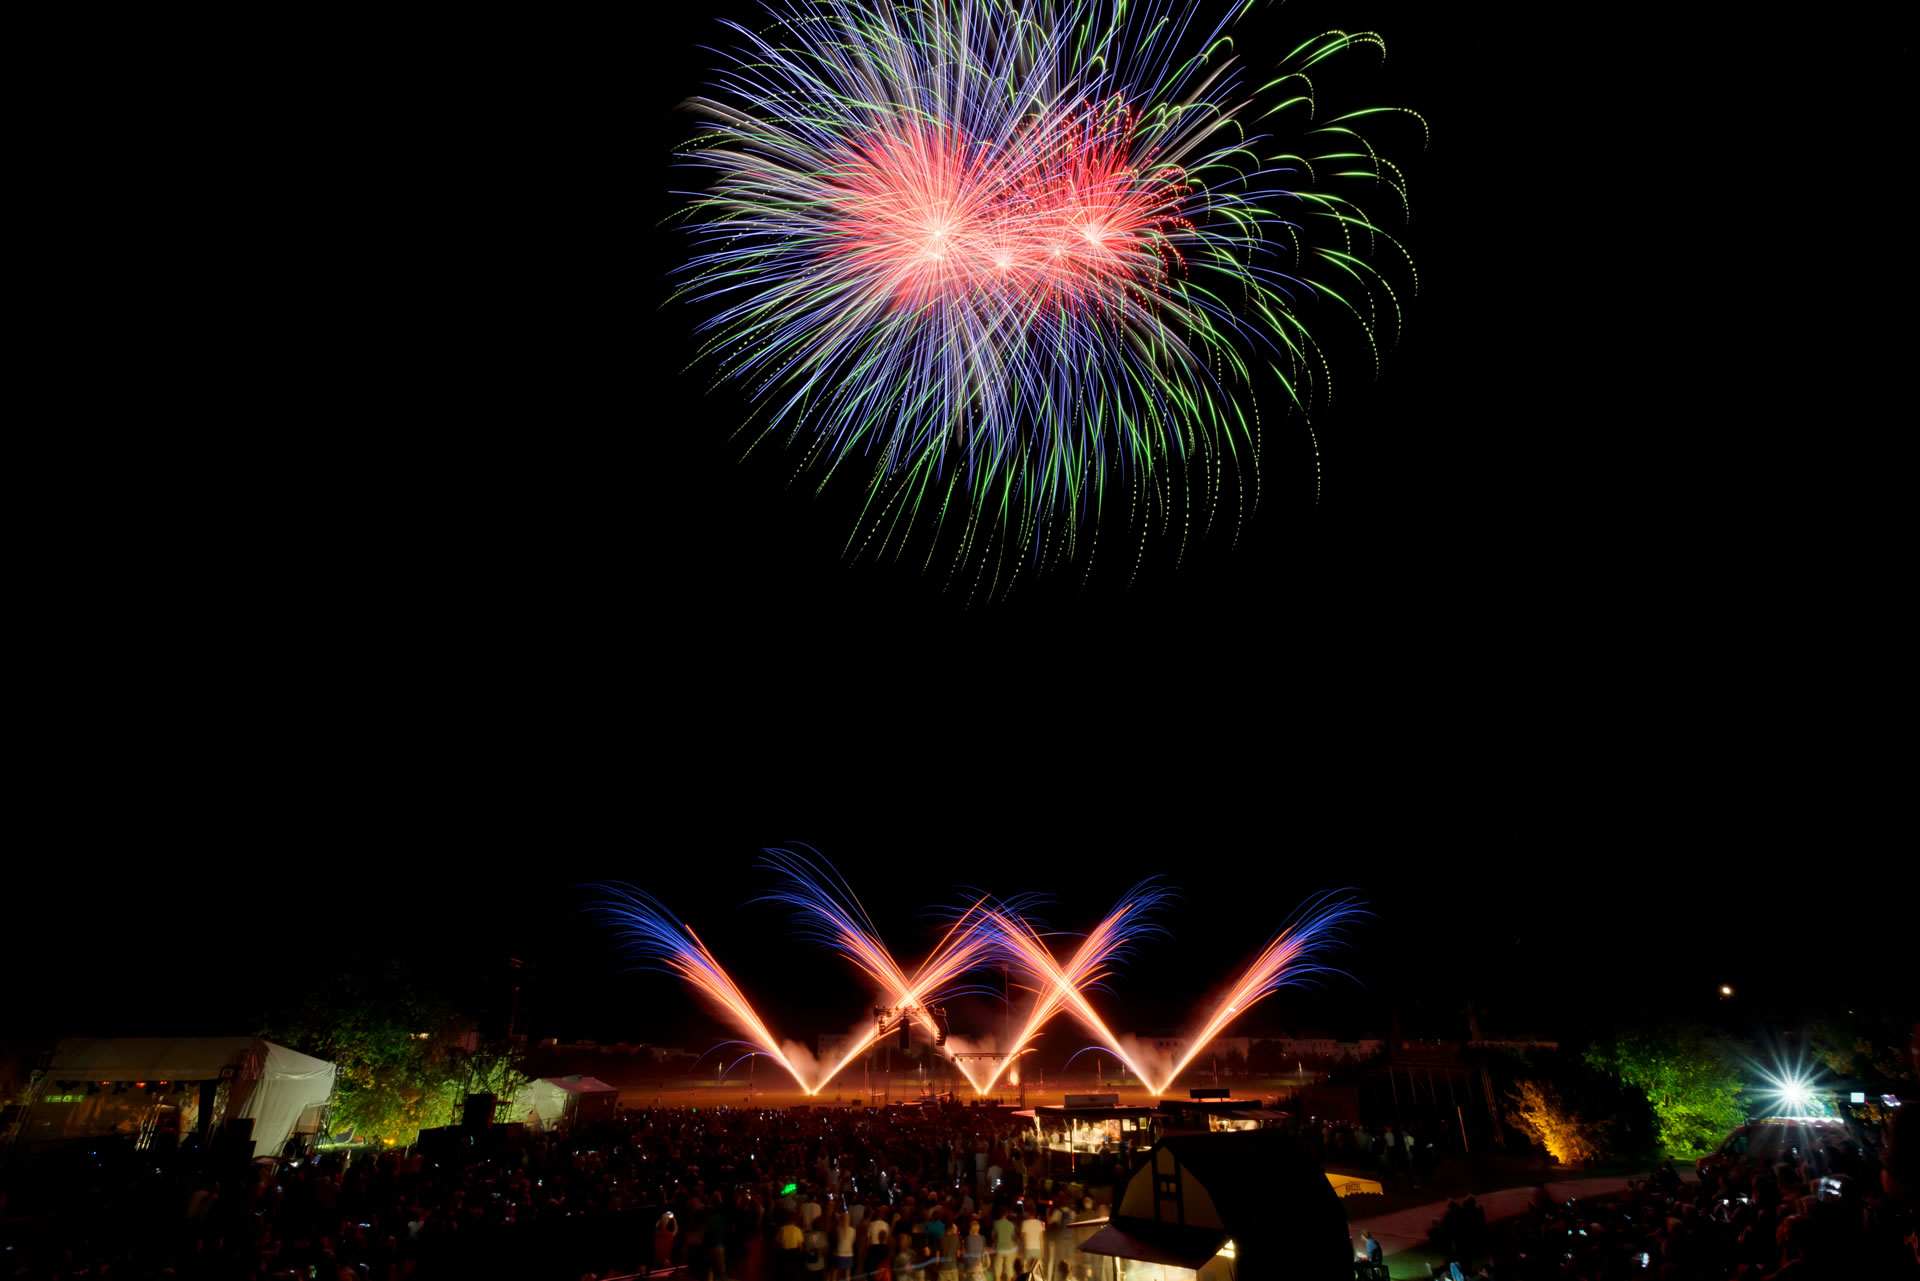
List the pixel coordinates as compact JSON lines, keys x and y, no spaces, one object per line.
{"x":1857,"y":1097}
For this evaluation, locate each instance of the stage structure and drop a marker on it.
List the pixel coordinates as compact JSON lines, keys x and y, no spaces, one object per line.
{"x":159,"y":1091}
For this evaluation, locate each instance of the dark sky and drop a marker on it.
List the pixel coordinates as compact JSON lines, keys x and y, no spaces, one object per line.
{"x":1558,"y":945}
{"x":486,"y":459}
{"x":473,"y":603}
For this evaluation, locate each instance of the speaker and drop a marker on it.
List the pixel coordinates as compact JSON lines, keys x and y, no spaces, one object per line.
{"x":444,"y":1143}
{"x":478,"y":1114}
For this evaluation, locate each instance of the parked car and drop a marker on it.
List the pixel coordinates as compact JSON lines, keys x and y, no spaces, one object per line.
{"x":1778,"y":1138}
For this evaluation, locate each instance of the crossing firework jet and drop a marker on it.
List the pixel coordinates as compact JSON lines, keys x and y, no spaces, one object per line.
{"x":988,"y":934}
{"x":652,"y":933}
{"x":1023,"y":264}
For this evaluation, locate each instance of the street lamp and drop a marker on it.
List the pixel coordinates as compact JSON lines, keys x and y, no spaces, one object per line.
{"x":1726,"y":990}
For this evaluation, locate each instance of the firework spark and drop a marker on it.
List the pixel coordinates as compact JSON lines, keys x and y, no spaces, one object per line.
{"x":654,"y":933}
{"x":1064,"y":986}
{"x":831,"y":913}
{"x":1290,"y":957}
{"x":1015,"y":252}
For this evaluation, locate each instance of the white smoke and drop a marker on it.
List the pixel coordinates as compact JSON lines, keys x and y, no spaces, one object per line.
{"x":805,"y":1065}
{"x":1146,"y":1058}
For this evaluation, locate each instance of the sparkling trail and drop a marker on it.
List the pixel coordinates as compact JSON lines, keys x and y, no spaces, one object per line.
{"x":832,"y":913}
{"x":656,"y":934}
{"x":1288,"y":958}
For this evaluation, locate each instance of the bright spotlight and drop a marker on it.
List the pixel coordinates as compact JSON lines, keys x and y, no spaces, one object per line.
{"x":1795,"y":1095}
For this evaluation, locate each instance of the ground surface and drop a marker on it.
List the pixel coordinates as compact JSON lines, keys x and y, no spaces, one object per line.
{"x":760,"y":1090}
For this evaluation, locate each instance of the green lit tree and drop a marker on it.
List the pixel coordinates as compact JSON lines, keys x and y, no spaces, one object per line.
{"x":1690,"y":1077}
{"x":1873,"y":1048}
{"x":405,"y":1057}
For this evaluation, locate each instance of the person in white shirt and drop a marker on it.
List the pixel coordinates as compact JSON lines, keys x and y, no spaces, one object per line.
{"x":875,"y":1234}
{"x":1033,"y":1238}
{"x":809,"y":1211}
{"x":843,"y":1237}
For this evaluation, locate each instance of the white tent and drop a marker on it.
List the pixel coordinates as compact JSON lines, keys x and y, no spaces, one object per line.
{"x":269,"y":1083}
{"x":554,"y":1100}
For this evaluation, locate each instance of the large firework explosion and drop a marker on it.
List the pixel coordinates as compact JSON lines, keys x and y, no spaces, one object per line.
{"x":1024,"y":262}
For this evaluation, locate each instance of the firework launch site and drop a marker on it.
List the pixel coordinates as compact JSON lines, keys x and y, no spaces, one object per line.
{"x":977,"y":1091}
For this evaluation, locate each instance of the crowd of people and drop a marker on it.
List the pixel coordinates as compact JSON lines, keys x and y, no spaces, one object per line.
{"x":945,"y":1193}
{"x":1823,"y":1213}
{"x":1397,"y":1157}
{"x":742,"y":1193}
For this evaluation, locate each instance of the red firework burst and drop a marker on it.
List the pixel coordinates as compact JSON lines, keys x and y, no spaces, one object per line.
{"x":1062,"y":215}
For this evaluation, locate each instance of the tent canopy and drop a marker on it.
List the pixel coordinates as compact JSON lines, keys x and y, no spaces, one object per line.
{"x":181,"y":1058}
{"x":550,"y":1100}
{"x":578,"y":1084}
{"x":1346,"y":1185}
{"x":270,"y":1084}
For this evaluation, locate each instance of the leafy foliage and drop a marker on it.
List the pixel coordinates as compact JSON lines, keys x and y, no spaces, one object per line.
{"x":1539,"y":1112}
{"x":1873,"y":1048}
{"x":392,"y":1079}
{"x":1690,"y":1077}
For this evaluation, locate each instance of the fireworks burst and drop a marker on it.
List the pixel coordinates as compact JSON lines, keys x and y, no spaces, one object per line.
{"x":1005,"y":256}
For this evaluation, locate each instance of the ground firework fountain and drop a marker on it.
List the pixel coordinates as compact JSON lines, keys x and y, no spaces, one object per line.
{"x":986,"y":934}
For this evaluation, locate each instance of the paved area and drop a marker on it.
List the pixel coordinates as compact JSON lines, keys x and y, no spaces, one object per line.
{"x":1404,"y":1230}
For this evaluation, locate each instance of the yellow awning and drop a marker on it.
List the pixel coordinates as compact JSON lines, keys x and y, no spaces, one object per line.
{"x":1347,"y":1185}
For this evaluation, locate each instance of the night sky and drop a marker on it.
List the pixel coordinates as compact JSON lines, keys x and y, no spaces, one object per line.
{"x":465,"y":599}
{"x":1385,"y":453}
{"x":1543,"y":951}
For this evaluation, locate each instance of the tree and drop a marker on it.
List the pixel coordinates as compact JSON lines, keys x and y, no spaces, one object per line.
{"x":405,"y":1057}
{"x":1689,"y":1078}
{"x":1539,"y":1112}
{"x":1873,"y":1048}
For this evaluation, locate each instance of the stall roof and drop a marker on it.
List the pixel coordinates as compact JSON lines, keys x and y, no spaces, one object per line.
{"x":1055,"y":1112}
{"x":580,"y":1084}
{"x":1173,"y":1245}
{"x":179,"y":1058}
